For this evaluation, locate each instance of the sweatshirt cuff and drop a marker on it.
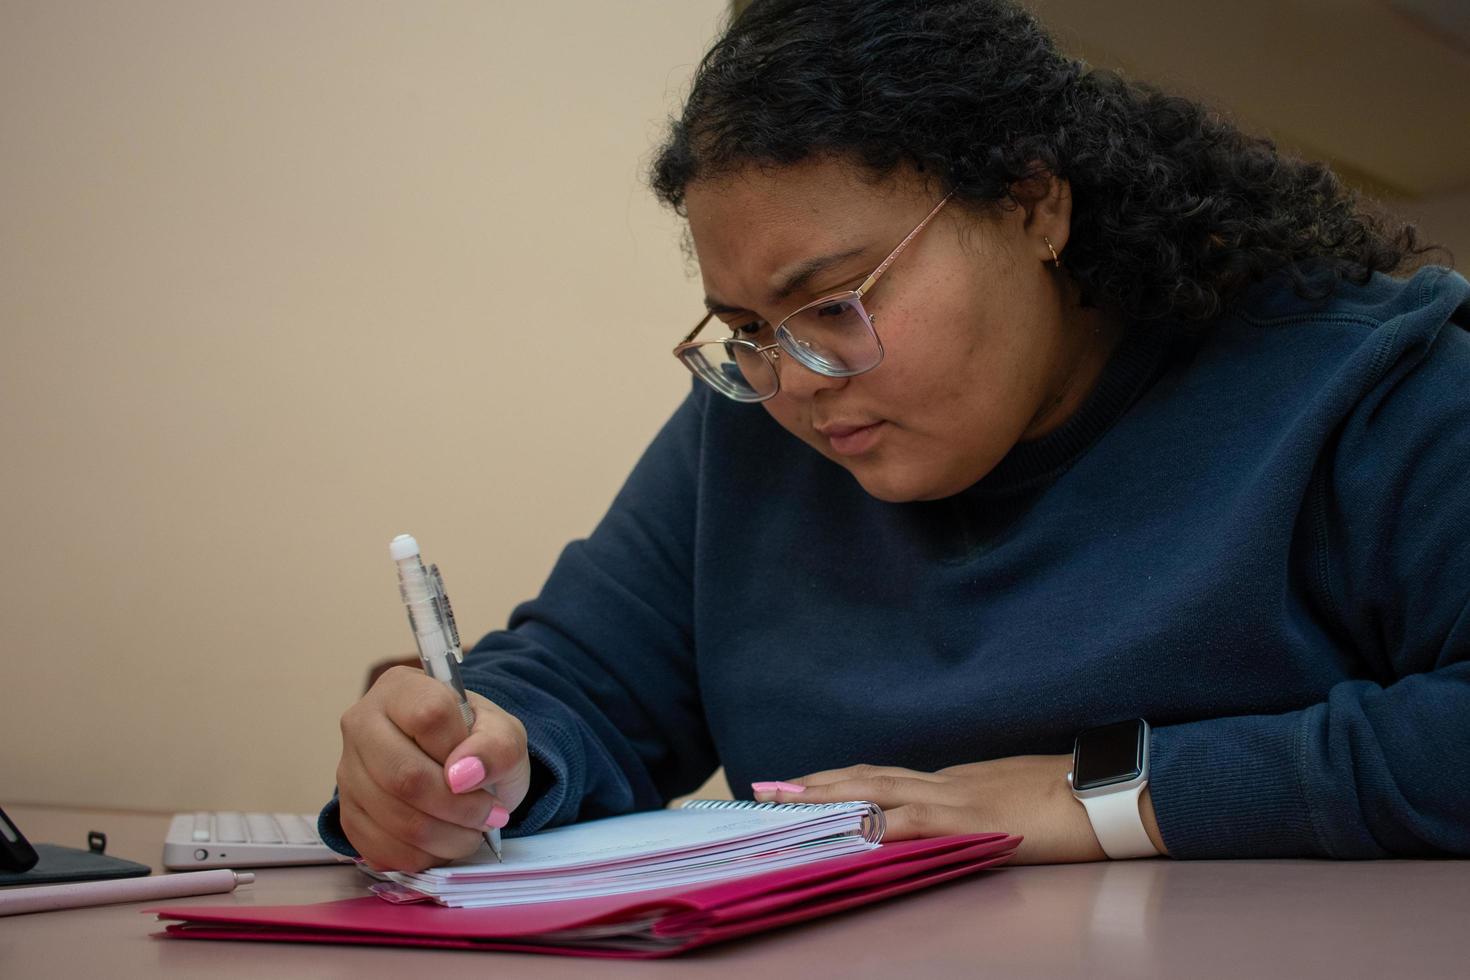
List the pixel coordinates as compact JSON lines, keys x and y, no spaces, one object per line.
{"x":329,"y":828}
{"x":1230,"y":788}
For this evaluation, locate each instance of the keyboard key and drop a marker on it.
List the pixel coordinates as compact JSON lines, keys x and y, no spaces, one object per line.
{"x":295,"y":829}
{"x":229,"y":828}
{"x":202,"y":829}
{"x":262,"y":828}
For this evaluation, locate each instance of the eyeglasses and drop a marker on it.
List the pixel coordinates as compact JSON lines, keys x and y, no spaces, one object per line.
{"x":833,"y":336}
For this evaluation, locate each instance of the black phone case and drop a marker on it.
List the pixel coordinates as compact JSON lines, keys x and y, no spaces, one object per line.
{"x":73,"y":864}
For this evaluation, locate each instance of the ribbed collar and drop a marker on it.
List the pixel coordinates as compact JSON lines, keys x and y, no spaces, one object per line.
{"x":1130,"y":370}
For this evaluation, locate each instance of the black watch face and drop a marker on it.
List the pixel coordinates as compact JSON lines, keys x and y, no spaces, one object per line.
{"x":1109,"y":754}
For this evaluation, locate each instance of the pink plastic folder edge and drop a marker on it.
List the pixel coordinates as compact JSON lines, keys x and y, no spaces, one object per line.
{"x":686,"y":918}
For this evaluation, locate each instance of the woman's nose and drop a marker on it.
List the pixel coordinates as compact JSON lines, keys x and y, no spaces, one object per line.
{"x":800,"y":381}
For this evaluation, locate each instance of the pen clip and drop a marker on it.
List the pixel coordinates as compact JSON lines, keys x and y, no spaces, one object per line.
{"x":446,"y":614}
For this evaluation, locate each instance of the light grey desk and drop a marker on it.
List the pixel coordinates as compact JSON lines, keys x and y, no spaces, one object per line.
{"x":1160,"y":918}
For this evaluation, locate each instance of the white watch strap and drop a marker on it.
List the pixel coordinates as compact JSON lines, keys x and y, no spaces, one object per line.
{"x":1118,"y":824}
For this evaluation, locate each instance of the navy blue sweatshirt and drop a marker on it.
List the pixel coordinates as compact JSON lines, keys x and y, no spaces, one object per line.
{"x":1256,"y":539}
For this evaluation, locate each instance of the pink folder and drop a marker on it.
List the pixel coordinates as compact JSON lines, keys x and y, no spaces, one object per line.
{"x":644,"y":924}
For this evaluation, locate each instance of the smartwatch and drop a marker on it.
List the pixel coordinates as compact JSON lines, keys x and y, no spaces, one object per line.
{"x":1109,"y":772}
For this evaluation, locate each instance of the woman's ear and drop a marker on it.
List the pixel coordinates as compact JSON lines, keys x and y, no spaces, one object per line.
{"x":1046,"y":201}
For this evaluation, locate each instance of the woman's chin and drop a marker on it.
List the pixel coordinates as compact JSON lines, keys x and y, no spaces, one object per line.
{"x":892,"y":485}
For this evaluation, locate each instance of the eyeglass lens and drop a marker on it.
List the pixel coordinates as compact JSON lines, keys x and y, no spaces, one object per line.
{"x":734,"y":368}
{"x":835,"y":338}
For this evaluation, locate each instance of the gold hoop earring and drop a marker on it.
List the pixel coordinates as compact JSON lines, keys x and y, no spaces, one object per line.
{"x":1054,"y":257}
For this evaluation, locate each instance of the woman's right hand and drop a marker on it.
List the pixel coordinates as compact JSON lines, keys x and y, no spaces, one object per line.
{"x":409,"y":780}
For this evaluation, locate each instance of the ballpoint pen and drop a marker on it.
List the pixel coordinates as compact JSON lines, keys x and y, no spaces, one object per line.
{"x":432,"y":621}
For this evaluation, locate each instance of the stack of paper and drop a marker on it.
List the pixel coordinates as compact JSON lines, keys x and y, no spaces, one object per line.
{"x":705,"y":841}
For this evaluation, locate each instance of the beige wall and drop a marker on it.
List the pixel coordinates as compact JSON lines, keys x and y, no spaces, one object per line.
{"x":279,"y":280}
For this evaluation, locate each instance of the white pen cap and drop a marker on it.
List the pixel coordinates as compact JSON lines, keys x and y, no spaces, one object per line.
{"x":403,"y":546}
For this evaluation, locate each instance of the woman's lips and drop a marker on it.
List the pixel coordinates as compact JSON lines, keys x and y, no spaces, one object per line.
{"x":853,"y":440}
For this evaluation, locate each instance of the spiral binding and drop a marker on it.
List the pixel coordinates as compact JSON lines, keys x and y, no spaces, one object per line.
{"x":872,"y":827}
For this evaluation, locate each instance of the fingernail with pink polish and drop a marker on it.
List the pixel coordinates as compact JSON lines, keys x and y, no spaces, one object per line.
{"x":466,"y":774}
{"x":499,"y":817}
{"x":777,"y":787}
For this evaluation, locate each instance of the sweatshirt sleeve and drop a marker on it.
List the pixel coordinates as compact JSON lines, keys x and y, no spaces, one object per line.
{"x":600,"y":666}
{"x":1381,"y":767}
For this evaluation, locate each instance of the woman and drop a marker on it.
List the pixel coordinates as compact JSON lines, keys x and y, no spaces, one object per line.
{"x":1076,"y":408}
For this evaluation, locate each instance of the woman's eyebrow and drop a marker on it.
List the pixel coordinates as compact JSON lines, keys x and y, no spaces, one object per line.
{"x":715,"y":306}
{"x":789,"y":280}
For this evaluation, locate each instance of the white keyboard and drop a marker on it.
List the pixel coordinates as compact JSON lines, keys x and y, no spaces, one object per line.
{"x":225,"y":839}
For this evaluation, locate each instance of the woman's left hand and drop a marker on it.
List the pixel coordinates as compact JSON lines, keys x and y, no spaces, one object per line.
{"x":1026,"y":795}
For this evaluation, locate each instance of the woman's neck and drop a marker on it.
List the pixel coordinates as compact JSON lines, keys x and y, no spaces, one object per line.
{"x":1097,"y":335}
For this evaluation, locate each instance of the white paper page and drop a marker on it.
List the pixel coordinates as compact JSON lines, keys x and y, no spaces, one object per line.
{"x":657,"y":864}
{"x":629,"y":838}
{"x":553,"y":890}
{"x":767,"y":839}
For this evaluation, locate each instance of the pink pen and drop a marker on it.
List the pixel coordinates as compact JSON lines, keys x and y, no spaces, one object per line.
{"x":44,"y":898}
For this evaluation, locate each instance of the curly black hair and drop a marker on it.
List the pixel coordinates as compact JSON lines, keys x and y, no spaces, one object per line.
{"x":1175,"y":211}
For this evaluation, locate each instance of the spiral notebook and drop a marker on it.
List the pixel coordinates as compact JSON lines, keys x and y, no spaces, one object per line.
{"x":702,"y":842}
